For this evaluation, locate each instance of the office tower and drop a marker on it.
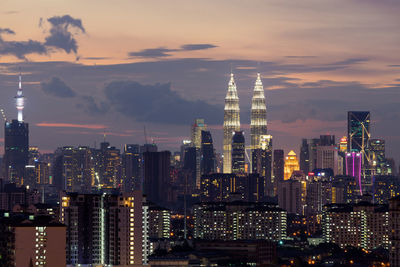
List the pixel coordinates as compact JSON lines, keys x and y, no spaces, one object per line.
{"x":185,"y":144}
{"x":291,"y":164}
{"x":148,"y":148}
{"x":327,"y":140}
{"x":343,"y":145}
{"x":279,"y":164}
{"x":131,"y":163}
{"x":327,"y":158}
{"x":207,"y":165}
{"x":239,"y":221}
{"x":73,"y":169}
{"x":304,"y":157}
{"x":102,"y":228}
{"x":109,"y":170}
{"x":31,"y":241}
{"x":358,"y":126}
{"x":353,"y":167}
{"x":231,"y":122}
{"x":156,"y":184}
{"x":189,"y":166}
{"x":290,"y":196}
{"x":377,"y":154}
{"x":258,"y":124}
{"x":361,"y":225}
{"x":358,"y":141}
{"x":262,"y":157}
{"x":238,"y":152}
{"x":394,"y":234}
{"x":197,"y":127}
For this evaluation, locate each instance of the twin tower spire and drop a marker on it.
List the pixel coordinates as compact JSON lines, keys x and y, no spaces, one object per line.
{"x":258,"y":125}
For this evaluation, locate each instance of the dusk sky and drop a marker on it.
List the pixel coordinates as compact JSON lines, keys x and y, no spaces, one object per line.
{"x":93,"y":67}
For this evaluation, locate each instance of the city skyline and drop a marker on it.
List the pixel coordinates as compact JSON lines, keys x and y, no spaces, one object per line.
{"x":309,"y":87}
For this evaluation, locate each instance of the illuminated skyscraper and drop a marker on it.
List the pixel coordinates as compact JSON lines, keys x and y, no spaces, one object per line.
{"x":258,"y":125}
{"x":16,"y":144}
{"x":279,"y":164}
{"x":343,"y":144}
{"x":231,"y":122}
{"x":291,"y":164}
{"x":353,"y":167}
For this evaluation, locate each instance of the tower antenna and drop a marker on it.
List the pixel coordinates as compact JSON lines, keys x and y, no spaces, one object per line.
{"x":20,"y":99}
{"x":145,"y":133}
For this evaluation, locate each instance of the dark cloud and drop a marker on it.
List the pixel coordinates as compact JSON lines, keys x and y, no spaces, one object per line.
{"x":96,"y":58}
{"x":160,"y":52}
{"x":6,"y":30}
{"x":152,"y":52}
{"x":157,"y":104}
{"x":394,"y":66}
{"x":301,"y":57}
{"x":19,"y":48}
{"x":61,"y":36}
{"x":190,"y":47}
{"x":92,"y":107}
{"x":57,"y":87}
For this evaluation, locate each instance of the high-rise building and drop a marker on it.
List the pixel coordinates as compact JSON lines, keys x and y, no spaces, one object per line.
{"x":238,"y":152}
{"x":290,"y":196}
{"x":131,"y":164}
{"x":327,"y":158}
{"x":156,"y":184}
{"x":103,"y":229}
{"x":279,"y":164}
{"x":239,"y":221}
{"x":361,"y":225}
{"x":16,"y":143}
{"x":73,"y":169}
{"x":197,"y":127}
{"x":377,"y":156}
{"x":31,"y":241}
{"x":304,"y":157}
{"x":394,"y":234}
{"x":258,"y":124}
{"x":327,"y":140}
{"x":208,"y":163}
{"x":231,"y":122}
{"x":358,"y":128}
{"x":353,"y":168}
{"x":262,"y":162}
{"x":291,"y":164}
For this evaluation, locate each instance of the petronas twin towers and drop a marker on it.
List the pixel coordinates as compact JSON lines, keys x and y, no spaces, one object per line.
{"x":258,"y":125}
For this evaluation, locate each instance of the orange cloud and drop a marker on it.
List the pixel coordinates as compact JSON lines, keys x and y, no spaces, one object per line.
{"x":72,"y":125}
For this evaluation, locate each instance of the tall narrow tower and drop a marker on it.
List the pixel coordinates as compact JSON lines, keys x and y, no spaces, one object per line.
{"x":231,"y":122}
{"x":19,"y":101}
{"x":258,"y":125}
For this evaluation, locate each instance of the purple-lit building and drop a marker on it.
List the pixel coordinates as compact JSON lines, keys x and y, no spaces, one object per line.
{"x":353,"y":167}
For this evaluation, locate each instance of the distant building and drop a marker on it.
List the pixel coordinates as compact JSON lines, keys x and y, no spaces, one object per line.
{"x":157,"y":176}
{"x":102,"y":228}
{"x":131,"y":165}
{"x":353,"y":168}
{"x":394,"y":233}
{"x":279,"y":164}
{"x":73,"y":169}
{"x":290,"y":196}
{"x":238,"y":152}
{"x":239,"y":221}
{"x":231,"y":122}
{"x":291,"y":164}
{"x":32,"y":241}
{"x":327,"y":158}
{"x":197,"y":128}
{"x":16,"y":151}
{"x":207,"y":164}
{"x":361,"y":225}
